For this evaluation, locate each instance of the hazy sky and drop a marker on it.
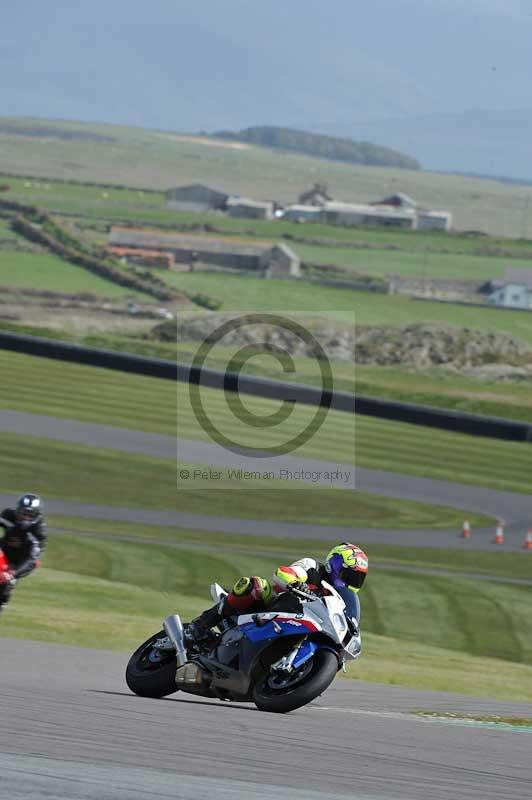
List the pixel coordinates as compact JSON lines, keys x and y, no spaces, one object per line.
{"x":207,"y":64}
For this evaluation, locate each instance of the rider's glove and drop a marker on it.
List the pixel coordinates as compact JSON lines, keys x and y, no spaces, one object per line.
{"x":7,"y":577}
{"x":288,"y":576}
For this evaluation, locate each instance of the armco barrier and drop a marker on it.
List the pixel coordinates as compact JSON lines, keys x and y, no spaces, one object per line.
{"x":472,"y":424}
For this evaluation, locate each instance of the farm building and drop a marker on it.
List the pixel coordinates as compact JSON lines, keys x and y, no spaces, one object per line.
{"x":249,"y":209}
{"x":195,"y":197}
{"x":280,"y":261}
{"x":200,"y":252}
{"x":426,"y":218}
{"x":359,"y":214}
{"x":301,"y":213}
{"x":512,"y":295}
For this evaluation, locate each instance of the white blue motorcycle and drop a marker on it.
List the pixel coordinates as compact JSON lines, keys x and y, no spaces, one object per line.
{"x":280,"y":659}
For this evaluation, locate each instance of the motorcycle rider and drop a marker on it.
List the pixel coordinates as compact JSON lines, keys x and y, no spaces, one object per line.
{"x":23,"y":541}
{"x":345,"y":568}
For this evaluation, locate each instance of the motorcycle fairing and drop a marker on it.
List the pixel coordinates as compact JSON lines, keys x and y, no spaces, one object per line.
{"x":258,"y":627}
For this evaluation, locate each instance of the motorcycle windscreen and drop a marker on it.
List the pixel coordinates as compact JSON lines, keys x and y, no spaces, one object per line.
{"x":352,"y":603}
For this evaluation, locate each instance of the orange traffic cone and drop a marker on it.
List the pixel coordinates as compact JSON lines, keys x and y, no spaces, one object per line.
{"x":466,"y":529}
{"x":527,"y":544}
{"x":499,"y":533}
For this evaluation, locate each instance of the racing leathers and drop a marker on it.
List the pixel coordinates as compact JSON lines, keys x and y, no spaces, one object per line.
{"x":22,"y":548}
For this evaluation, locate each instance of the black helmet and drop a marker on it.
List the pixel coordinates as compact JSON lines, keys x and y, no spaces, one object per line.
{"x":29,"y":510}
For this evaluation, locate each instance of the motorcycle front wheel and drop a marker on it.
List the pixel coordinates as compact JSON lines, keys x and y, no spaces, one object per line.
{"x":280,"y":692}
{"x":151,"y":671}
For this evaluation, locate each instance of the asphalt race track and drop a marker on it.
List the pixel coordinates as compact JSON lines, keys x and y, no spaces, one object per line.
{"x":71,"y":729}
{"x":515,"y":508}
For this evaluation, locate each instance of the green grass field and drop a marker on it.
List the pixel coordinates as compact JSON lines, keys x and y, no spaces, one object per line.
{"x":394,"y":262}
{"x":45,"y":271}
{"x":141,"y":158}
{"x":87,"y":200}
{"x":105,"y":592}
{"x":43,"y":386}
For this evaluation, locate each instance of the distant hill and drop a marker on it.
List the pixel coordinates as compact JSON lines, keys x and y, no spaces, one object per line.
{"x":315,"y":144}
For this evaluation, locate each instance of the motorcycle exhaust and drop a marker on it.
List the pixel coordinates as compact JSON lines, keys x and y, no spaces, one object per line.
{"x":190,"y":673}
{"x":174,"y":630}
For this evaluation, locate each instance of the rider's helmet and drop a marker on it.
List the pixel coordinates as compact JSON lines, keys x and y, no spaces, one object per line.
{"x":29,"y":510}
{"x":347,"y":563}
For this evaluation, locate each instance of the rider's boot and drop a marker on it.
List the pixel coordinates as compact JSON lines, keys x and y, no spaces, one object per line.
{"x":201,"y":627}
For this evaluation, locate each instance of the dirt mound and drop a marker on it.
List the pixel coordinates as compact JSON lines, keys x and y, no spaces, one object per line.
{"x":420,"y":346}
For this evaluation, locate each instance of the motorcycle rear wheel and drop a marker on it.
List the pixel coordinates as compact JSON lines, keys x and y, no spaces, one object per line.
{"x":270,"y":694}
{"x":151,"y":672}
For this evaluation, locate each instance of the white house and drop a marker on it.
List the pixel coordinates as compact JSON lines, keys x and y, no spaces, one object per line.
{"x":512,"y":295}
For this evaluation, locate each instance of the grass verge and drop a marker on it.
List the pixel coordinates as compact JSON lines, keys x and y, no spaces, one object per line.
{"x":488,"y":719}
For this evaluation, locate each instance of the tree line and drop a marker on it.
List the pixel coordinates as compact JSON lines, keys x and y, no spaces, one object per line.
{"x":315,"y":144}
